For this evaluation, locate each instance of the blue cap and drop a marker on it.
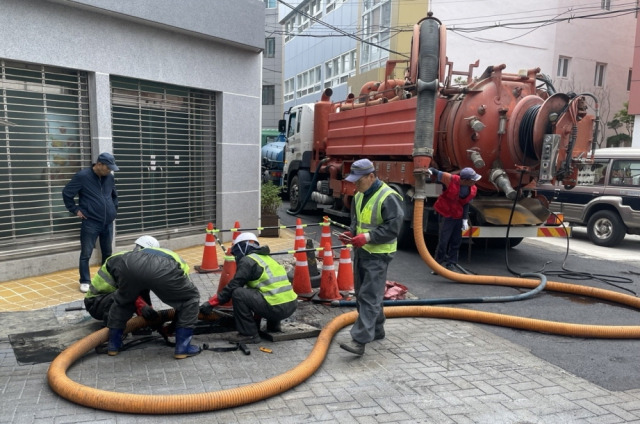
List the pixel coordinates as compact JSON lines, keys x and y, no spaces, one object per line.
{"x":109,"y":160}
{"x":359,"y":169}
{"x":469,"y":174}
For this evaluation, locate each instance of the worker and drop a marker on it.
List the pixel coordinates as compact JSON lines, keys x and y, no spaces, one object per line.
{"x":453,"y":207}
{"x":376,"y":219}
{"x":259,"y":289}
{"x":165,"y":274}
{"x":99,"y":298}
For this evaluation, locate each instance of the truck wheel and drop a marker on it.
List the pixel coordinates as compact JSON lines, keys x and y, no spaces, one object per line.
{"x":294,"y":194}
{"x":605,"y":228}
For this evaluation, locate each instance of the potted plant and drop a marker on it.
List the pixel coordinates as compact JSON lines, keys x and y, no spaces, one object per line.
{"x":270,"y":201}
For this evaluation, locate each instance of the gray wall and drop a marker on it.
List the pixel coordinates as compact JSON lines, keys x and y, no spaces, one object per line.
{"x":211,"y":45}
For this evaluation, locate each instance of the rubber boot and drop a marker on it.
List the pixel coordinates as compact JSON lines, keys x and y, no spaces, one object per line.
{"x":115,"y":341}
{"x":274,"y":327}
{"x":184,"y":348}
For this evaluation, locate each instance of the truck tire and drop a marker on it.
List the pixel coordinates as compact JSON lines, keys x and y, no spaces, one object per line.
{"x":605,"y":228}
{"x":294,"y":194}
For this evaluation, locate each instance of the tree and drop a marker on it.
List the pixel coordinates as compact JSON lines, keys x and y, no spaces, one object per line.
{"x":625,"y":119}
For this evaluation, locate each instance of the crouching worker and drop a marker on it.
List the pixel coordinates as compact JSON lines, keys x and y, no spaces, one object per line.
{"x":259,"y":289}
{"x":99,"y":298}
{"x":167,"y":275}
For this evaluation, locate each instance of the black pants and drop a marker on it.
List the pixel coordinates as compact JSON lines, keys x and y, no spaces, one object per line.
{"x":247,"y":302}
{"x":449,"y":241}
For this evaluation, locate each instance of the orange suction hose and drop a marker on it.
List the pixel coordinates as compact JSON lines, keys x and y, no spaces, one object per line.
{"x":210,"y":401}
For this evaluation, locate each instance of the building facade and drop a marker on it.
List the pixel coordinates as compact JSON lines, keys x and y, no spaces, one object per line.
{"x":272,"y":68}
{"x":172,"y":90}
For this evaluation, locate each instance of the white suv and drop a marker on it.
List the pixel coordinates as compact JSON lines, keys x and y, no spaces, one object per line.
{"x":606,"y":198}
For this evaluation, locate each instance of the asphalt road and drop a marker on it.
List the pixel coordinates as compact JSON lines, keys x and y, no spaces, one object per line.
{"x":612,"y":364}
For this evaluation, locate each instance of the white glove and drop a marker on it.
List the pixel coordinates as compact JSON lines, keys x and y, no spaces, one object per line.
{"x":465,"y":224}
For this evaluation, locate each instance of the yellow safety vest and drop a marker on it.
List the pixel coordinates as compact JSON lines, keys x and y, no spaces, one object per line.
{"x":103,"y":282}
{"x":273,"y":282}
{"x":370,"y":216}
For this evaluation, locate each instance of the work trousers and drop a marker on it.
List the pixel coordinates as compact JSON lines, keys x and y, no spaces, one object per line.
{"x":248,"y":302}
{"x":165,"y":278}
{"x":370,"y":277}
{"x":449,"y":240}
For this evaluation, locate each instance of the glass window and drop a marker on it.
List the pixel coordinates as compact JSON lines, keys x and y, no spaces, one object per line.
{"x":629,"y":81}
{"x":563,"y":66}
{"x":625,"y":172}
{"x":270,"y":47}
{"x":268,"y":94}
{"x":270,"y":4}
{"x":598,"y":79}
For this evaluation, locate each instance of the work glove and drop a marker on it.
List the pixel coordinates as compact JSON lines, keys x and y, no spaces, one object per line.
{"x":207,"y":307}
{"x":359,"y":240}
{"x":145,"y":310}
{"x":433,"y":171}
{"x":465,"y":224}
{"x":346,"y":237}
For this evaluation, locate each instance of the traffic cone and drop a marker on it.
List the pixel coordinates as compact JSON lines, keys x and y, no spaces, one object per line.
{"x":326,"y":232}
{"x":228,"y":271}
{"x":345,"y":271}
{"x":328,"y":284}
{"x":299,"y":242}
{"x":235,"y":233}
{"x":301,"y":277}
{"x":209,"y":255}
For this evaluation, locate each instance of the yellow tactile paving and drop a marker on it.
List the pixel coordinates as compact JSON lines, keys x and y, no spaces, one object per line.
{"x":62,"y":287}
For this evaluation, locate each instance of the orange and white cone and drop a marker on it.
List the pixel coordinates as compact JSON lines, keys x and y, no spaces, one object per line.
{"x":301,"y":277}
{"x":209,"y":255}
{"x":299,"y":241}
{"x":228,"y":271}
{"x":328,"y":283}
{"x":345,"y":271}
{"x":326,"y":232}
{"x":235,"y":233}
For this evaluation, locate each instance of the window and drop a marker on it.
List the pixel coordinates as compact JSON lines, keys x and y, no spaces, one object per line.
{"x":289,"y":26}
{"x":270,"y":47}
{"x":629,"y":81}
{"x":333,"y":4}
{"x":339,"y":69}
{"x":270,"y":4}
{"x":563,"y":66}
{"x":289,"y":90}
{"x":598,"y":79}
{"x":309,"y":81}
{"x":376,"y":20}
{"x":605,"y":4}
{"x":268,"y":95}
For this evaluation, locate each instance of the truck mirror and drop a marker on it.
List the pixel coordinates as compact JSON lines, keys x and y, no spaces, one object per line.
{"x":282,"y":125}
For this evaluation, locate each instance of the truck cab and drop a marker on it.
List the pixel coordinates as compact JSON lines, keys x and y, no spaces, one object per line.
{"x":298,"y":127}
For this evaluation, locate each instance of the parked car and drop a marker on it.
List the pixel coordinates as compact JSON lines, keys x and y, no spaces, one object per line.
{"x":606,"y":198}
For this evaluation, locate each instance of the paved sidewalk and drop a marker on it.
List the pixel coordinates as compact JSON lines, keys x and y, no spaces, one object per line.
{"x":424,"y":371}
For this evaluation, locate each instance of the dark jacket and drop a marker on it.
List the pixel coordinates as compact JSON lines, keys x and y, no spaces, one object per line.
{"x":246,"y":270}
{"x":97,"y":196}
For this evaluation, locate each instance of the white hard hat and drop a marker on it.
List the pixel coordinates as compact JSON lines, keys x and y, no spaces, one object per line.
{"x":246,"y":237}
{"x":147,"y":241}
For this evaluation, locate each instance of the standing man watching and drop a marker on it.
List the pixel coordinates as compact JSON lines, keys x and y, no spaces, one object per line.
{"x":97,"y":208}
{"x":376,"y":219}
{"x":453,"y":207}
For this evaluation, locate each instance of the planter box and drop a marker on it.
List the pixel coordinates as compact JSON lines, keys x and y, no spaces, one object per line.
{"x":270,"y":220}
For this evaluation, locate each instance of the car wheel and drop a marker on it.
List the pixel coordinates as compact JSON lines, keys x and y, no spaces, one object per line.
{"x":605,"y":228}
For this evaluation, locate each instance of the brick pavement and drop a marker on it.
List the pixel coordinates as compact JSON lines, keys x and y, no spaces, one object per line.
{"x":425,"y":371}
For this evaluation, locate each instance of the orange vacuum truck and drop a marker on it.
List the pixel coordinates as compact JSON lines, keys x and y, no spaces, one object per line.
{"x":512,"y":128}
